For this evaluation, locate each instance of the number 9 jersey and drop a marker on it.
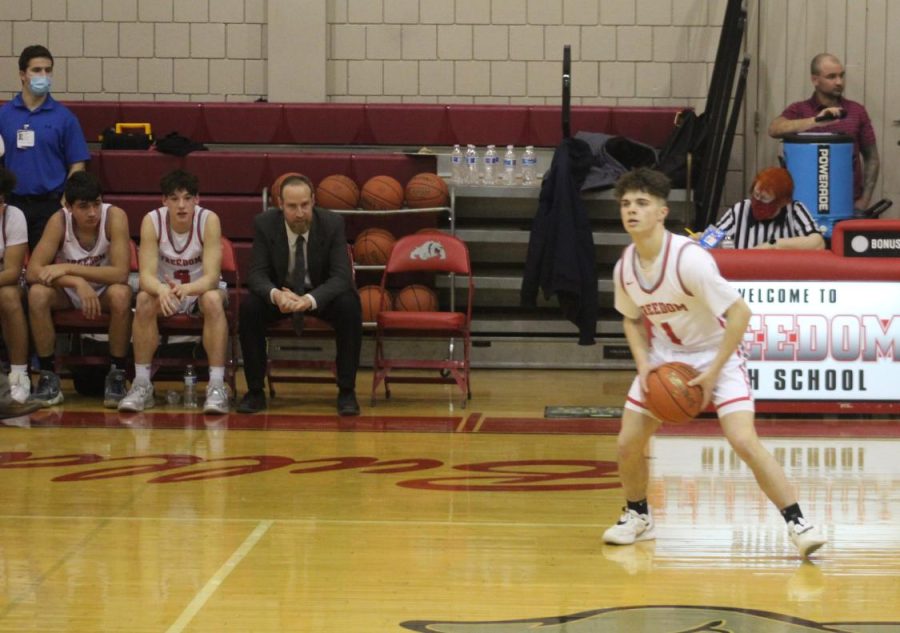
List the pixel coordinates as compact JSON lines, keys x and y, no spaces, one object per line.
{"x":180,"y":254}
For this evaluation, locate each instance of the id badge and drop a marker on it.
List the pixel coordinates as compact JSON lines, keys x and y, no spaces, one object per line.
{"x":24,"y":138}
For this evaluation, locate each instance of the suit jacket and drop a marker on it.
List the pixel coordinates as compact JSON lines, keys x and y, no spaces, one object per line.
{"x":327,"y":261}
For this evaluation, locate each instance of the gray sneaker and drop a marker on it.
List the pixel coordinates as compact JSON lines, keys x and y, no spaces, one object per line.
{"x":48,"y":391}
{"x":139,"y":397}
{"x":114,"y":390}
{"x":216,"y":399}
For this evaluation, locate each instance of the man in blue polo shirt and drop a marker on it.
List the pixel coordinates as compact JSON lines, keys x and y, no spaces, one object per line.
{"x":43,"y":141}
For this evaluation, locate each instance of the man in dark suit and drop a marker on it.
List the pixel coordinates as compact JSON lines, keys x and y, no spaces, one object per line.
{"x":299,"y":264}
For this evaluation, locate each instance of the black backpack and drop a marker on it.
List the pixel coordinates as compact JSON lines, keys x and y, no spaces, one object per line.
{"x":688,"y":137}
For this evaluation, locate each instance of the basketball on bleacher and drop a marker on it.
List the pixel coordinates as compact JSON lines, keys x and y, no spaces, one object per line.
{"x":381,"y":193}
{"x":427,"y":190}
{"x":373,"y":246}
{"x":669,"y":397}
{"x":373,"y":301}
{"x":337,"y":192}
{"x":276,"y":188}
{"x":416,"y":298}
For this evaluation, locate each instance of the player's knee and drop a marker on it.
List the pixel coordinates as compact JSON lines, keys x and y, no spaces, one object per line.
{"x":119,"y":299}
{"x":745,"y":445}
{"x":39,"y":298}
{"x":211,"y":303}
{"x":146,"y":305}
{"x":10,"y":299}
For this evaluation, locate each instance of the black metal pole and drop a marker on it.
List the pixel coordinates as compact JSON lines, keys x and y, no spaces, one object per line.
{"x":566,"y":91}
{"x":721,"y":168}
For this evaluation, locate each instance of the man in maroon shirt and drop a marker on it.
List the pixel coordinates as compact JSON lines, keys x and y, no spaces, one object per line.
{"x":828,"y":111}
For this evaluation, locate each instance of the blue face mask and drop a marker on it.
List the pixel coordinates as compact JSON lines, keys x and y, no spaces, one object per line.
{"x":40,"y":85}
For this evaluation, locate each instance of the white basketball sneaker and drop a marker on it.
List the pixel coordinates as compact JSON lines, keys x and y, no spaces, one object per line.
{"x":806,"y":537}
{"x":630,"y":528}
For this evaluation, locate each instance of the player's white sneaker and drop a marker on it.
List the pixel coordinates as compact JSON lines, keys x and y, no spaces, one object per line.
{"x":216,"y":399}
{"x":19,"y":386}
{"x":631,"y":527}
{"x":139,"y":397}
{"x":806,"y":537}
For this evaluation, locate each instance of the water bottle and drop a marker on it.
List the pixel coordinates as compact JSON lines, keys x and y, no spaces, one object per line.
{"x":509,"y":166}
{"x":189,"y":397}
{"x":491,"y":162}
{"x":471,"y":165}
{"x":529,"y":166}
{"x":457,"y":166}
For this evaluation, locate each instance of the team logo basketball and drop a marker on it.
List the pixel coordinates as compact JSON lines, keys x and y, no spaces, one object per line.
{"x":431,"y":249}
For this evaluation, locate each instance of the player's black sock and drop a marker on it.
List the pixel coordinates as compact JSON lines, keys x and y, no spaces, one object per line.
{"x":640,"y":506}
{"x":117,"y":362}
{"x":792,"y":513}
{"x":47,"y":363}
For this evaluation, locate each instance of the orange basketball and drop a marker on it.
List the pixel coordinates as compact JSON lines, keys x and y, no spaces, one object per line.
{"x":373,"y":302}
{"x":669,"y":397}
{"x":276,"y":187}
{"x":427,"y":190}
{"x":416,"y":298}
{"x":372,"y":247}
{"x":337,"y":192}
{"x":381,"y":193}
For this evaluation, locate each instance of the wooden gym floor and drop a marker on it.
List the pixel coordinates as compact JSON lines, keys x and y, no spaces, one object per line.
{"x":423,"y":516}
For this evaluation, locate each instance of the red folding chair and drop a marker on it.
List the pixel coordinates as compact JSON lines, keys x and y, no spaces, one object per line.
{"x":432,"y":253}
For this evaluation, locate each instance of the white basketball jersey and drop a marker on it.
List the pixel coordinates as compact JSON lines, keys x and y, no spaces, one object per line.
{"x":683,"y":295}
{"x":72,"y":251}
{"x":180,"y":254}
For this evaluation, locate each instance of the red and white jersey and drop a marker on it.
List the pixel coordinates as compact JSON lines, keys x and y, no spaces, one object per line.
{"x":682,"y":294}
{"x":73,"y":252}
{"x":13,"y":230}
{"x":180,"y":254}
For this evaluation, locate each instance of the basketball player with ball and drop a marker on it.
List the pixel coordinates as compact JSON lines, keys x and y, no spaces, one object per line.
{"x":696,"y":317}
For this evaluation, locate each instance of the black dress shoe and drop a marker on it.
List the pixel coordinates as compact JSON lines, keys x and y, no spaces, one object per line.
{"x":347,"y":404}
{"x":252,"y":402}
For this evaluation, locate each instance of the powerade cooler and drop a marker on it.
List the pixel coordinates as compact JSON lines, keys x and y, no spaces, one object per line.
{"x":821,"y":165}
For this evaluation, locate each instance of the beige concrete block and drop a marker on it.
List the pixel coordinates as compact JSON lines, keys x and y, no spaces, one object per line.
{"x":472,"y":78}
{"x":473,"y":12}
{"x":206,"y":98}
{"x":383,"y":41}
{"x":419,"y":99}
{"x":526,"y":43}
{"x":86,"y":74}
{"x":492,"y":100}
{"x":365,"y":11}
{"x":61,"y":76}
{"x":545,"y":11}
{"x":598,"y":43}
{"x":101,"y":39}
{"x":6,"y":42}
{"x":255,"y":11}
{"x":348,"y":41}
{"x":585,"y":79}
{"x":365,"y":77}
{"x":401,"y":11}
{"x":670,"y":43}
{"x":101,"y":96}
{"x":508,"y":79}
{"x":336,"y":11}
{"x":191,"y":10}
{"x":336,"y":78}
{"x":120,"y":75}
{"x":255,"y":77}
{"x":136,"y":39}
{"x":455,"y":42}
{"x":509,"y":12}
{"x":349,"y":99}
{"x":120,"y":10}
{"x":47,"y":10}
{"x":654,"y":12}
{"x":435,"y":78}
{"x":172,"y":39}
{"x":581,"y":12}
{"x":26,"y":34}
{"x":226,"y":76}
{"x":704,"y":43}
{"x":84,"y":10}
{"x":617,"y":79}
{"x":67,"y":39}
{"x":401,"y":78}
{"x":243,"y":41}
{"x":689,"y":12}
{"x":419,"y":41}
{"x":155,"y":75}
{"x":633,"y":43}
{"x":689,"y":80}
{"x":716,"y":12}
{"x":543,"y":79}
{"x":557,"y":37}
{"x":654,"y":80}
{"x":617,"y":12}
{"x":191,"y":76}
{"x":14,"y":10}
{"x":228,"y":11}
{"x":490,"y":42}
{"x":208,"y":40}
{"x":155,"y":10}
{"x":435,"y":12}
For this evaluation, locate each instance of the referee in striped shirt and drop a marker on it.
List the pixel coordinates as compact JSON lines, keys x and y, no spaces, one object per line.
{"x":770,"y":217}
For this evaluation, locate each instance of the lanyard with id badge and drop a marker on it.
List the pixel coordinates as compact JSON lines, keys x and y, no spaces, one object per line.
{"x":24,"y":138}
